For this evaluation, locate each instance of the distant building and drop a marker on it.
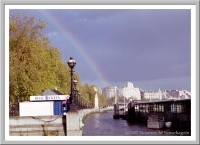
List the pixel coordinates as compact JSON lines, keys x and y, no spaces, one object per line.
{"x":110,"y":91}
{"x":151,"y":95}
{"x":129,"y":91}
{"x":177,"y":94}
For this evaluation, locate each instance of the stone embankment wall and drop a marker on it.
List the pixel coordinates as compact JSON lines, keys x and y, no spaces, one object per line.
{"x":43,"y":125}
{"x":37,"y":126}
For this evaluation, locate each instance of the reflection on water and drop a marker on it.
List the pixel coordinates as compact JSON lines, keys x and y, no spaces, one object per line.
{"x":96,"y":122}
{"x":103,"y":124}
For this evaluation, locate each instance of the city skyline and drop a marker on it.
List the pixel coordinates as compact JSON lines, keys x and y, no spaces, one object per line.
{"x":125,"y":85}
{"x":149,"y":47}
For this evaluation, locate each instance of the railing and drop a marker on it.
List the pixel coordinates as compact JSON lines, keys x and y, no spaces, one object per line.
{"x":13,"y":110}
{"x":81,"y":101}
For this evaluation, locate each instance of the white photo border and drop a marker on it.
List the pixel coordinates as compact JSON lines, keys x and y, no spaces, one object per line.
{"x":5,"y":138}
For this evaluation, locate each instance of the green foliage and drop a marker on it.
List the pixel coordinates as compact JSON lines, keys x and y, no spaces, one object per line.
{"x":102,"y":100}
{"x":88,"y":93}
{"x":34,"y":64}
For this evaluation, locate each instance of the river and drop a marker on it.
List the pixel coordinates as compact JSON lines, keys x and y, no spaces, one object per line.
{"x":103,"y":124}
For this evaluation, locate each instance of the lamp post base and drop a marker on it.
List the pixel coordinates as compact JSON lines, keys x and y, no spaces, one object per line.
{"x":73,"y":122}
{"x":74,"y":133}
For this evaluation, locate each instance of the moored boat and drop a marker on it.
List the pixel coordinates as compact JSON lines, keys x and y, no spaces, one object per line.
{"x":155,"y":122}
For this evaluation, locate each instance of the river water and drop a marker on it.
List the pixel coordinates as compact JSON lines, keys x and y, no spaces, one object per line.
{"x":103,"y":124}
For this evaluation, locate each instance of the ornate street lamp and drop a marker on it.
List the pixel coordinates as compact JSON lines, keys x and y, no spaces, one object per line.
{"x":71,"y":63}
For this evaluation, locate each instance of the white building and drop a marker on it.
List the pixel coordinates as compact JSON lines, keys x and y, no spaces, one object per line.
{"x":151,"y":95}
{"x":183,"y":94}
{"x":129,"y":91}
{"x":110,"y":91}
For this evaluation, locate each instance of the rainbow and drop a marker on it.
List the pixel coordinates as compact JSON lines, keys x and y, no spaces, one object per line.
{"x":77,"y":45}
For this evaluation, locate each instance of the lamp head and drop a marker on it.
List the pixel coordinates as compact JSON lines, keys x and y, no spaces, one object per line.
{"x":71,"y":63}
{"x":75,"y":82}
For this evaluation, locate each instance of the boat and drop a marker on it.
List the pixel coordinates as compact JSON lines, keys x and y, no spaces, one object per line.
{"x":168,"y":124}
{"x":155,"y":122}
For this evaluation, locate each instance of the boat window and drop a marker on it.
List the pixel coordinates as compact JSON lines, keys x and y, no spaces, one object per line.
{"x":173,"y":108}
{"x":151,"y":108}
{"x":161,"y":108}
{"x":178,"y":108}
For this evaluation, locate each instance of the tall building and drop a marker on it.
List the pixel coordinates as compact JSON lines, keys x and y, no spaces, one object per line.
{"x":130,"y":92}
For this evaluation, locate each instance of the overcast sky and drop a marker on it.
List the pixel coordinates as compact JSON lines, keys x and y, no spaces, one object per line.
{"x":149,"y":47}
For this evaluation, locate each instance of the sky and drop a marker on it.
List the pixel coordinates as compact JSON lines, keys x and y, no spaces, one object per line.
{"x":149,"y":47}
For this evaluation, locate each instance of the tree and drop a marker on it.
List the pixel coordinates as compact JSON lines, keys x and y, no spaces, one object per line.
{"x":102,"y":100}
{"x":34,"y":65}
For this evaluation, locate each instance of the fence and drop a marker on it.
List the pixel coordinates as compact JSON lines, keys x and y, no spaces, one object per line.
{"x":13,"y":110}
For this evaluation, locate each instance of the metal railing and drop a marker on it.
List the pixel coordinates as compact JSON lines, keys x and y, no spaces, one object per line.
{"x":13,"y":110}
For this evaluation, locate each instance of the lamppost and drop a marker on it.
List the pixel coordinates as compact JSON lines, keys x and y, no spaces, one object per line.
{"x":71,"y":63}
{"x":87,"y":103}
{"x":79,"y":99}
{"x":74,"y":91}
{"x":83,"y":102}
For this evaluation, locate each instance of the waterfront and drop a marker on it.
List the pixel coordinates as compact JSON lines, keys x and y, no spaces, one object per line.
{"x":103,"y":124}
